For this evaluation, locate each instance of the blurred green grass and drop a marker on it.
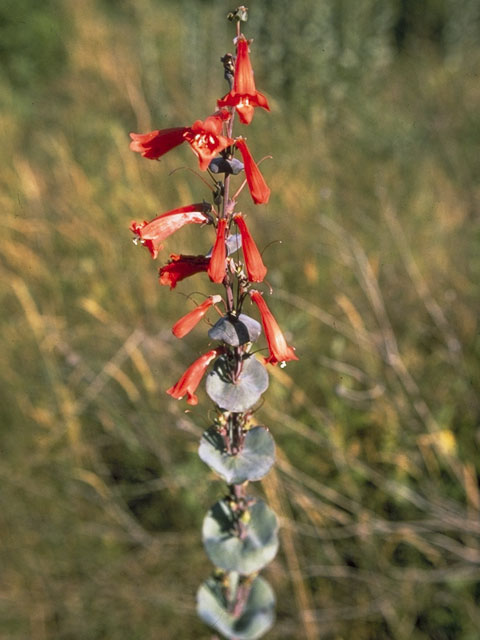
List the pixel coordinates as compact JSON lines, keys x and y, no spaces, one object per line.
{"x":375,"y":176}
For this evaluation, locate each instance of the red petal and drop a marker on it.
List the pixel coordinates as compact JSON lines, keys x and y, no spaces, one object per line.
{"x":190,"y":320}
{"x":256,"y":270}
{"x":154,"y":232}
{"x":212,"y":124}
{"x":189,"y":381}
{"x":243,"y":81}
{"x":245,"y":112}
{"x":280,"y":351}
{"x":216,"y":269}
{"x":181,"y":267}
{"x":157,"y":143}
{"x":258,"y":187}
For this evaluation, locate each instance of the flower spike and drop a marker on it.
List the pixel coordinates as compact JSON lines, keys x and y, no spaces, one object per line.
{"x":180,"y":267}
{"x":256,"y":183}
{"x":233,"y":447}
{"x":153,"y":233}
{"x":191,"y":378}
{"x":216,"y":269}
{"x":244,"y":96}
{"x":204,"y":138}
{"x":280,"y":351}
{"x":190,"y":320}
{"x":256,"y":270}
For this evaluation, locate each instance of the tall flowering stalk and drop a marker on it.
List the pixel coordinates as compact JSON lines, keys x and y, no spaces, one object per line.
{"x":240,"y":532}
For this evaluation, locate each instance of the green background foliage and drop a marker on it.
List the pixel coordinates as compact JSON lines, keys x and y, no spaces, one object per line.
{"x":374,"y":133}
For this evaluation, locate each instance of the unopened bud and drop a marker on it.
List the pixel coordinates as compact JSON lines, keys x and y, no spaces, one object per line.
{"x":239,"y":14}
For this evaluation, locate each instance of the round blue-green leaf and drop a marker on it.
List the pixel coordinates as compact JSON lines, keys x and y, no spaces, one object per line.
{"x":255,"y":619}
{"x":249,"y":553}
{"x":251,"y":463}
{"x":246,"y":391}
{"x":236,"y":331}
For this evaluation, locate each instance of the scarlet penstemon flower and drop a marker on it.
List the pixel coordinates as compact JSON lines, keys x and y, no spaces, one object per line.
{"x":190,"y":320}
{"x":237,"y":380}
{"x":256,"y":270}
{"x":180,"y":267}
{"x":156,"y":143}
{"x":216,"y":268}
{"x":204,"y":137}
{"x":279,"y":349}
{"x":191,"y":378}
{"x":256,"y":183}
{"x":244,"y":96}
{"x":153,"y":233}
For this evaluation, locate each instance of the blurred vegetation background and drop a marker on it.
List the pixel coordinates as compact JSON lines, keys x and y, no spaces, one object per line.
{"x":374,"y":132}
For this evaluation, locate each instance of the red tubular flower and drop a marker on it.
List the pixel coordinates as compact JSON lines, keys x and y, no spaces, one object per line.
{"x":180,"y":267}
{"x":189,"y":381}
{"x":244,"y":97}
{"x":216,"y":269}
{"x":153,"y":233}
{"x":279,"y":349}
{"x":258,"y":187}
{"x":189,"y":321}
{"x":156,"y":143}
{"x":256,"y":270}
{"x":205,"y":140}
